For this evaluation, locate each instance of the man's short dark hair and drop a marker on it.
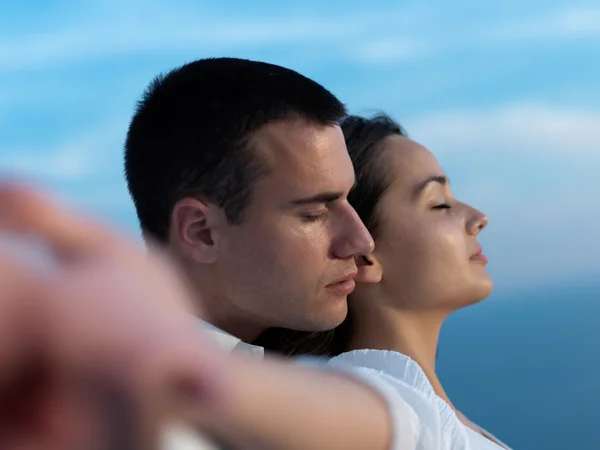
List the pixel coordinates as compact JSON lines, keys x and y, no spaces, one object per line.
{"x":190,"y":132}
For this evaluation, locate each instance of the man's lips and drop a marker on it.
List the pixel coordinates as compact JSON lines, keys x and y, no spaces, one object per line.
{"x":344,"y":285}
{"x":349,"y":276}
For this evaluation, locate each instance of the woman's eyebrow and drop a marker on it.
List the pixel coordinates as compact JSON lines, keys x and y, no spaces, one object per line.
{"x":440,"y":179}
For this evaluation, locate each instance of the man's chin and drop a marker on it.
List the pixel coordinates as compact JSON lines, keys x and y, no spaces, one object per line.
{"x":330,"y":319}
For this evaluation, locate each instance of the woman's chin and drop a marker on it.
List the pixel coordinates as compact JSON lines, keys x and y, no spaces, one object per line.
{"x":478,"y":291}
{"x":484,"y":288}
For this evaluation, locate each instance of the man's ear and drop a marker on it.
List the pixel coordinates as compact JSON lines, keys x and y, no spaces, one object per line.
{"x":369,"y":269}
{"x":193,"y":229}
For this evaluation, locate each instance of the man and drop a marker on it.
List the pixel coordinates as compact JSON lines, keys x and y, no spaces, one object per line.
{"x":240,"y":169}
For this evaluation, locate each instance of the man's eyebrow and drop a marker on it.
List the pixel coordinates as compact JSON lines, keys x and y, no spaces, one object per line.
{"x":441,"y":179}
{"x":324,"y":197}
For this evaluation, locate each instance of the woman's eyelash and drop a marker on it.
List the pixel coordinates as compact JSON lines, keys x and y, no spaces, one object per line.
{"x":442,"y":206}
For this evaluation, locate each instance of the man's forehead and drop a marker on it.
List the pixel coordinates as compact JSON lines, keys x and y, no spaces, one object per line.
{"x":298,"y":141}
{"x":302,"y":155}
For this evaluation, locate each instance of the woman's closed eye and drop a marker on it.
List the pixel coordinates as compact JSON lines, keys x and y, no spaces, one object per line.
{"x":442,"y":206}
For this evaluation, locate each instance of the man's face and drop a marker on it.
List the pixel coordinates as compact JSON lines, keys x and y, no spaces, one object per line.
{"x":290,"y":263}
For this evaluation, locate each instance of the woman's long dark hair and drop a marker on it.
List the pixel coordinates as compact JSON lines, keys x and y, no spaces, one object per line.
{"x":365,"y":141}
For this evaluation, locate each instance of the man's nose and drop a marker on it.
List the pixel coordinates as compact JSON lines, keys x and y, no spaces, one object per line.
{"x":355,"y":239}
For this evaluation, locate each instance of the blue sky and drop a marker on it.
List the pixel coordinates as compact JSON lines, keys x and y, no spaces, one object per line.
{"x":506,"y":94}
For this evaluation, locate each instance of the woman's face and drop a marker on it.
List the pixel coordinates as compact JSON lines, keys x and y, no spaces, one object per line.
{"x":426,"y":244}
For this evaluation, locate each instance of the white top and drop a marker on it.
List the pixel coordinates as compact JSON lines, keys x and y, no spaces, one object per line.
{"x":422,"y":420}
{"x":431,"y":422}
{"x":230,"y":343}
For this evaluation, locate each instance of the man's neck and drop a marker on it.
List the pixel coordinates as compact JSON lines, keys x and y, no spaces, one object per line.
{"x":242,"y":329}
{"x":223,"y":314}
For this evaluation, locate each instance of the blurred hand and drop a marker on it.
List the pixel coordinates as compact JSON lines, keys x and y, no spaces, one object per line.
{"x":105,"y":322}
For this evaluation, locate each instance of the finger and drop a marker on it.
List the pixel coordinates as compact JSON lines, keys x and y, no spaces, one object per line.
{"x":18,"y":311}
{"x":25,"y":211}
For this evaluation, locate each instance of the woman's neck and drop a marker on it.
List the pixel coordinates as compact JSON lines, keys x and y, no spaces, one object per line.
{"x":414,"y":333}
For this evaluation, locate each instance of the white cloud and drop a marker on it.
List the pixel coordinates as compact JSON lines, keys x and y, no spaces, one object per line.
{"x":389,"y":50}
{"x":153,"y":28}
{"x":67,"y":162}
{"x":104,"y":198}
{"x":536,"y":238}
{"x":516,"y":128}
{"x":74,"y":159}
{"x":575,"y":22}
{"x":367,"y":35}
{"x":537,"y":235}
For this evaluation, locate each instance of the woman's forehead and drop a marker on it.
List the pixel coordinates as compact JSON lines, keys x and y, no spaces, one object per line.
{"x":409,"y":161}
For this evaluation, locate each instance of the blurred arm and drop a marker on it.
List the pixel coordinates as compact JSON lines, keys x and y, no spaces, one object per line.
{"x":282,"y":406}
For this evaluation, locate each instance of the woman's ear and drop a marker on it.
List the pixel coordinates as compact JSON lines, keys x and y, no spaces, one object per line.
{"x":369,"y":269}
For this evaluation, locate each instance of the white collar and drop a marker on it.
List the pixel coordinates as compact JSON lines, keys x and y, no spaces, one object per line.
{"x":402,"y":368}
{"x":230,"y":343}
{"x":406,"y":370}
{"x":392,"y":363}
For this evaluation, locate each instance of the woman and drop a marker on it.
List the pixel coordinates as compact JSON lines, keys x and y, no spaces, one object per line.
{"x":427,"y":263}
